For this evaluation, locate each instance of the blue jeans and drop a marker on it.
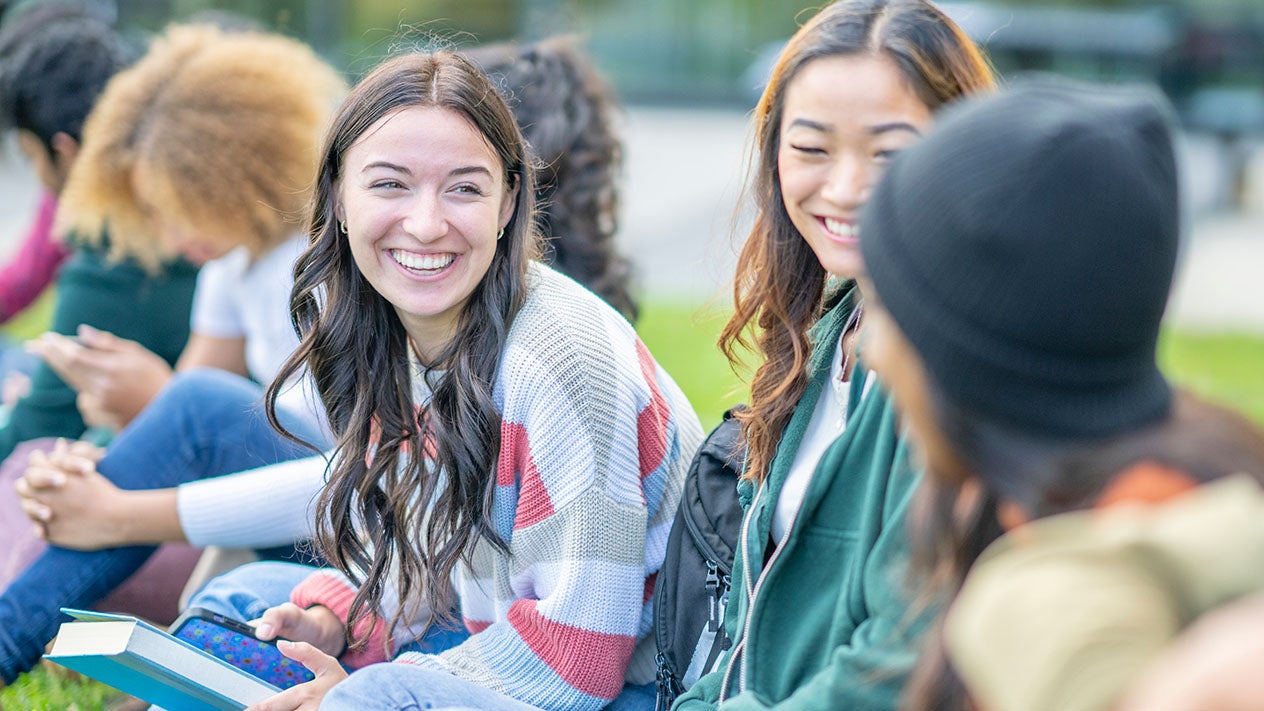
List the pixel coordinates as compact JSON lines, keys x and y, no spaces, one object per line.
{"x":406,"y":688}
{"x":244,"y":593}
{"x":205,"y":423}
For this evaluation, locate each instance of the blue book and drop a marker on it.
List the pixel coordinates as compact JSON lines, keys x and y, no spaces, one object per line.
{"x":139,"y":659}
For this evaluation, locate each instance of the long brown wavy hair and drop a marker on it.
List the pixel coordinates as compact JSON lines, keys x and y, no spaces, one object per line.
{"x":409,"y":493}
{"x":779,"y":284}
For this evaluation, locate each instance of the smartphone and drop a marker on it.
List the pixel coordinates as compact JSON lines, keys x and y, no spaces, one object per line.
{"x":235,"y":643}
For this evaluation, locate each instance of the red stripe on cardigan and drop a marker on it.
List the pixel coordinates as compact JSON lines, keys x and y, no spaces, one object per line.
{"x":534,"y":504}
{"x":592,"y":662}
{"x":332,"y":592}
{"x":651,"y":423}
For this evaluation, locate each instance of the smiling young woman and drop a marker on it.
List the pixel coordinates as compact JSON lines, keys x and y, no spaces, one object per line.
{"x":827,"y":476}
{"x":835,"y":140}
{"x":505,"y":442}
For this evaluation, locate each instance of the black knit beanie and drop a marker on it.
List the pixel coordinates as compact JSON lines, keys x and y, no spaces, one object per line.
{"x":1026,"y":248}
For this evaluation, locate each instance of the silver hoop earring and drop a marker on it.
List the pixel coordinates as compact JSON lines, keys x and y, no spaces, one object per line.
{"x":342,"y":226}
{"x":500,"y":234}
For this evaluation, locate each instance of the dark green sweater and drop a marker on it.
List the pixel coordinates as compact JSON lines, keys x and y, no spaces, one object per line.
{"x":830,"y":626}
{"x":119,"y":297}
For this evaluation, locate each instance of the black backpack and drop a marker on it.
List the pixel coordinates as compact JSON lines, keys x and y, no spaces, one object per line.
{"x":692,"y":589}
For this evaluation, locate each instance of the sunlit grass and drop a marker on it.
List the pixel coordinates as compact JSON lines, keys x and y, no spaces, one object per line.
{"x":1227,"y":368}
{"x":45,"y":690}
{"x":1224,"y":367}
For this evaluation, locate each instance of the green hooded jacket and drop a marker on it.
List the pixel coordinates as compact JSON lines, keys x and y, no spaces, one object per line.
{"x":831,"y":625}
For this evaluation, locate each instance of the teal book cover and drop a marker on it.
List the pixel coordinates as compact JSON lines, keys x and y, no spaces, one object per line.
{"x":146,"y":662}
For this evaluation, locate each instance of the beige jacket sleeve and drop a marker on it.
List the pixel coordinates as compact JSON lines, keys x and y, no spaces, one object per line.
{"x":1066,"y":612}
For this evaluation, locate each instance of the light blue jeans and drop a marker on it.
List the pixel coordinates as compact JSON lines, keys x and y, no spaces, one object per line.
{"x":401,"y":687}
{"x":244,"y":593}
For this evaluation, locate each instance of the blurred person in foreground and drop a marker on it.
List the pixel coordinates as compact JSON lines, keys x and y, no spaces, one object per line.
{"x":1020,"y":259}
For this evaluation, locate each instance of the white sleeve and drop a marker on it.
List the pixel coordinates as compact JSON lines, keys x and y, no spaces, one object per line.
{"x":215,"y":310}
{"x":259,"y":508}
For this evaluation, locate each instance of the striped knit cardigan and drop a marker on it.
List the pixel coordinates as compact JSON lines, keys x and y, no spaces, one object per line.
{"x":595,"y":441}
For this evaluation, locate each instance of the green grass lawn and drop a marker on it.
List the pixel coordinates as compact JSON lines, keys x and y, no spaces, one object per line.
{"x":1227,"y":368}
{"x":1224,"y":367}
{"x":42,"y":690}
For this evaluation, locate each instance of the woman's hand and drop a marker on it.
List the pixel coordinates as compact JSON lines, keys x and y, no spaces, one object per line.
{"x":305,"y":696}
{"x":73,"y":505}
{"x":317,"y":625}
{"x":319,"y":636}
{"x":116,"y":378}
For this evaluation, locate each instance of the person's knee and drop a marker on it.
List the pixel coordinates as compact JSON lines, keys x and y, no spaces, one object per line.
{"x":245,"y":592}
{"x":199,"y":384}
{"x":376,"y":681}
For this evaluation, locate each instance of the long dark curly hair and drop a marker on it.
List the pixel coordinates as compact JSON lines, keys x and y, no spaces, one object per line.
{"x":566,"y":112}
{"x":779,"y":286}
{"x":375,"y":524}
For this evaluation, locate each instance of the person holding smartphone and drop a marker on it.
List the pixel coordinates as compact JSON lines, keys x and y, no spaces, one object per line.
{"x":505,"y":441}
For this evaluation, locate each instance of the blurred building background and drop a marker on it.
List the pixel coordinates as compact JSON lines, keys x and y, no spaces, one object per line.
{"x":1207,"y":55}
{"x":705,"y":50}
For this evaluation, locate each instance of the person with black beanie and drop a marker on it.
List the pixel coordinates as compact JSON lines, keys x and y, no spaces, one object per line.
{"x":1019,"y":262}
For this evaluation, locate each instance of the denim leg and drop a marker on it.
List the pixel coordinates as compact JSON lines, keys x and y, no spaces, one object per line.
{"x":244,"y":593}
{"x":403,"y":687}
{"x":204,"y":423}
{"x":635,"y":698}
{"x":59,"y":577}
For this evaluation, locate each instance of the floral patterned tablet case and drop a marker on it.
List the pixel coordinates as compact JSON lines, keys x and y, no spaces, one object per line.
{"x":243,"y":651}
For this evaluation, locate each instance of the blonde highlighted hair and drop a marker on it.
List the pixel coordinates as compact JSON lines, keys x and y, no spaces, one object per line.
{"x":223,"y":130}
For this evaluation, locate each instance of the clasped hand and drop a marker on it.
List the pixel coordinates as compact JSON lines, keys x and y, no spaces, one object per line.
{"x":68,"y":500}
{"x":319,"y":636}
{"x":115,"y":378}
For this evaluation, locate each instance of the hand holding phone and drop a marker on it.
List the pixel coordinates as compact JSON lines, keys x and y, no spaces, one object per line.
{"x":235,"y":642}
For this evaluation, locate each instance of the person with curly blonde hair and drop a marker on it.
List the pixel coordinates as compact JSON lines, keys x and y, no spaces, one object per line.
{"x":205,"y":148}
